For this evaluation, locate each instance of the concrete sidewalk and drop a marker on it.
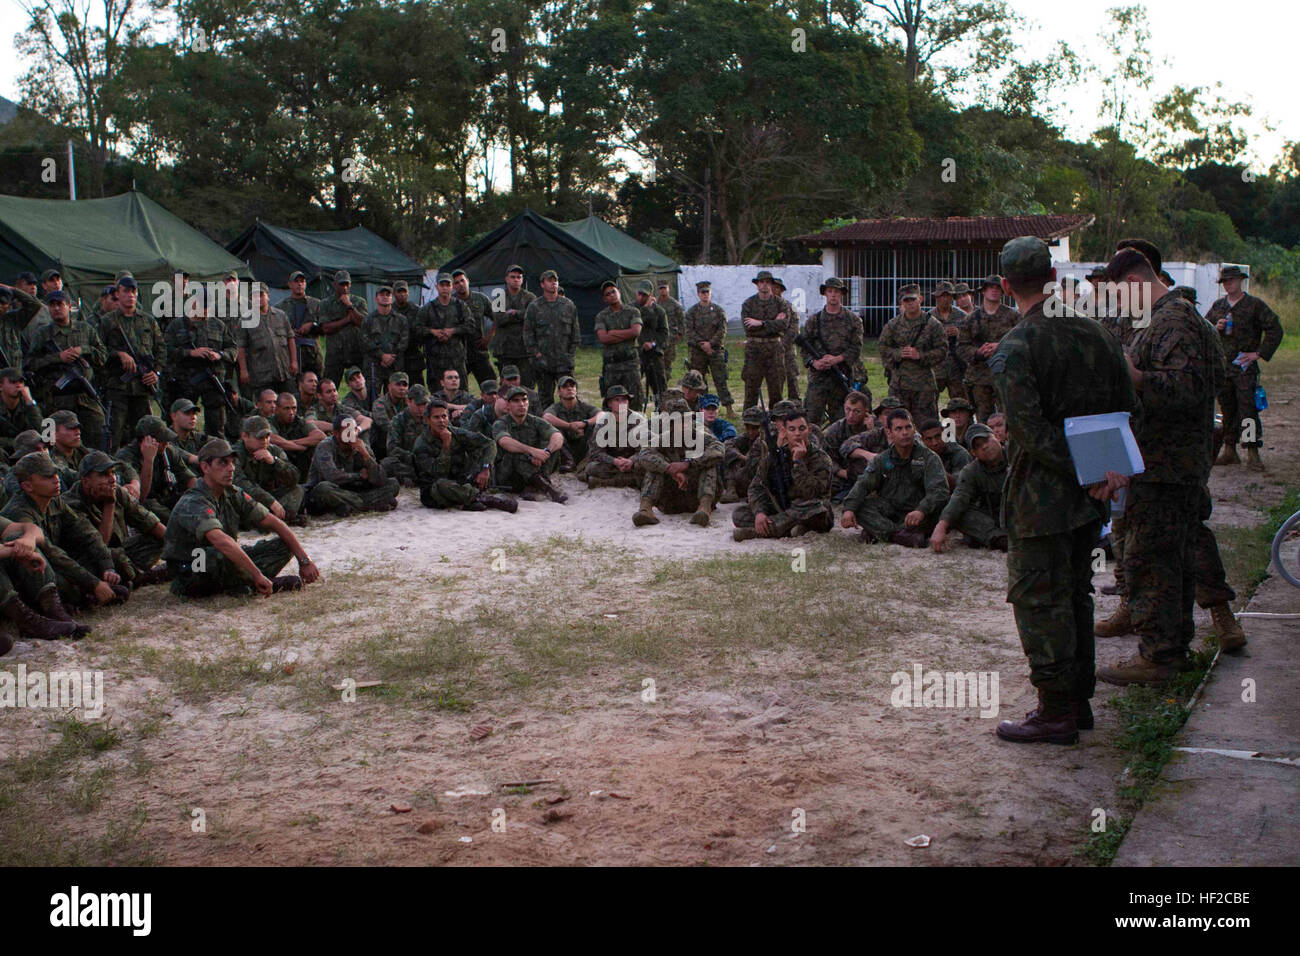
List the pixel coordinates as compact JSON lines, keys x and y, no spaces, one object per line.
{"x":1224,"y":799}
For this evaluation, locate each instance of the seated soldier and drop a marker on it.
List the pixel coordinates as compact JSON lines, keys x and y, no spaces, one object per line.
{"x":308,"y":386}
{"x":357,"y":401}
{"x":998,"y":422}
{"x":452,"y":395}
{"x":265,"y":404}
{"x":292,"y":435}
{"x":26,"y":443}
{"x":954,"y":456}
{"x":736,"y":453}
{"x":510,"y":379}
{"x":789,"y":491}
{"x":402,"y":434}
{"x":27,"y":583}
{"x":265,"y":473}
{"x":857,"y":419}
{"x":619,"y":434}
{"x":962,"y":414}
{"x":481,"y":414}
{"x":975,"y":508}
{"x":693,"y":388}
{"x":453,"y":466}
{"x":202,"y":547}
{"x":83,"y":567}
{"x":680,"y":467}
{"x":184,"y":416}
{"x":528,"y":450}
{"x":575,"y":419}
{"x":858,"y":451}
{"x":113,"y":514}
{"x":345,"y":477}
{"x":164,"y":476}
{"x":722,"y":429}
{"x":386,"y":407}
{"x":899,"y":496}
{"x":67,"y":452}
{"x":488,"y":393}
{"x":327,"y":408}
{"x":18,"y":410}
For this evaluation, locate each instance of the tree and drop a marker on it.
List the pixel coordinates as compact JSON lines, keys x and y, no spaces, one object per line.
{"x":931,"y":27}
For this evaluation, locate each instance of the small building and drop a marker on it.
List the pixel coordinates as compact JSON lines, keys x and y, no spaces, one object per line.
{"x":876,"y":256}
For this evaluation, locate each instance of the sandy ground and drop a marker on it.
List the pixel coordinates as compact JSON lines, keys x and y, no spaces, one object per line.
{"x":768,"y":712}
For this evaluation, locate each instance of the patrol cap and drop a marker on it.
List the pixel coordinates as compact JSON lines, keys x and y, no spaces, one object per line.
{"x":418,"y":394}
{"x":886,"y":404}
{"x":942,"y":288}
{"x":489,"y":387}
{"x":58,"y":295}
{"x":26,"y":277}
{"x":400,"y":378}
{"x":693,"y":380}
{"x":784,"y":408}
{"x":834,"y":282}
{"x":709,"y":401}
{"x":509,"y":371}
{"x":67,"y":418}
{"x":216,"y":448}
{"x":646,"y":286}
{"x":1186,"y":291}
{"x":565,"y":380}
{"x":256,"y":425}
{"x":1026,"y":258}
{"x":961,"y":288}
{"x":107,"y":290}
{"x":763,"y":276}
{"x":516,"y":391}
{"x":155,"y":427}
{"x":665,"y":284}
{"x":184,"y":405}
{"x":975,"y":433}
{"x":400,"y":286}
{"x":25,"y":443}
{"x":550,"y":274}
{"x":96,"y":461}
{"x":958,"y":404}
{"x":514,"y":268}
{"x":36,"y":463}
{"x":752,"y":416}
{"x":384,"y":290}
{"x":1232,"y":272}
{"x":297,"y":274}
{"x":702,"y":285}
{"x":49,"y":274}
{"x":615,"y":391}
{"x":608,"y":284}
{"x":776,"y":281}
{"x":444,"y":279}
{"x":126,"y":282}
{"x":10,"y":375}
{"x":458,"y":273}
{"x":342,"y":276}
{"x":350,"y":371}
{"x":909,"y":291}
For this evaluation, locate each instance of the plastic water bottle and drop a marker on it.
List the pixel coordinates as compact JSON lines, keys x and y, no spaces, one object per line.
{"x":1261,"y":398}
{"x":1228,"y":328}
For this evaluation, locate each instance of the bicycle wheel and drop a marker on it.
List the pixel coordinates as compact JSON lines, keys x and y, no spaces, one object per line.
{"x":1291,"y":523}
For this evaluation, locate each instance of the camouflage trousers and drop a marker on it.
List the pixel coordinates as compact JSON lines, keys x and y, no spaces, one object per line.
{"x":291,"y":499}
{"x":123,"y":412}
{"x":400,"y":464}
{"x":652,"y":368}
{"x":715,"y":365}
{"x":791,"y":369}
{"x":446,"y":493}
{"x":979,"y":527}
{"x":825,"y":399}
{"x":1160,"y":521}
{"x":669,"y":356}
{"x":140,"y":553}
{"x":627,"y":374}
{"x":764,"y":362}
{"x":882,"y":518}
{"x":1212,"y":586}
{"x":18,"y":580}
{"x":924,"y":405}
{"x":816,"y":515}
{"x":413,"y":364}
{"x":515,"y":472}
{"x":438,"y":362}
{"x":547,"y":379}
{"x":479,"y":364}
{"x":220,"y":574}
{"x":610,"y":473}
{"x":1049,"y":584}
{"x":337,"y":360}
{"x":1117,"y":548}
{"x":215,"y":410}
{"x":326,"y":497}
{"x":736,"y":473}
{"x":309,"y":360}
{"x":949,"y":375}
{"x":1237,"y":400}
{"x":662,"y":490}
{"x":984,"y":399}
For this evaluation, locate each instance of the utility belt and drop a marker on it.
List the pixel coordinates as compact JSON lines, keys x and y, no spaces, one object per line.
{"x":621,"y":354}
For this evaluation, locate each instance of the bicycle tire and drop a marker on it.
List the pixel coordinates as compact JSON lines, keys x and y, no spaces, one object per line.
{"x":1282,"y":532}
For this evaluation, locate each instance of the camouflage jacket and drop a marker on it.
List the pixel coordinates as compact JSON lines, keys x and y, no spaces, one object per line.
{"x":607,"y":320}
{"x":404,"y":429}
{"x":955,"y":457}
{"x":140,"y":330}
{"x":874,"y":440}
{"x":656,"y":460}
{"x":603,"y":447}
{"x":654,"y":324}
{"x":917,"y":483}
{"x":706,"y":323}
{"x":481,"y":306}
{"x":347,"y":469}
{"x":300,"y":312}
{"x":467,"y":455}
{"x":508,"y":342}
{"x":838,"y":333}
{"x":14,"y":421}
{"x":259,"y":478}
{"x":925,"y":335}
{"x":1255,"y":328}
{"x":979,"y":328}
{"x":171,"y":476}
{"x":128,"y":514}
{"x":766,"y":312}
{"x":13,"y":322}
{"x":200,"y":511}
{"x":552,"y":334}
{"x":836,"y":434}
{"x":73,"y":547}
{"x":532,"y":431}
{"x":979,"y":487}
{"x":266,"y":347}
{"x":355,"y":402}
{"x":676,"y":320}
{"x":43,"y":359}
{"x":1046,"y":370}
{"x":385,"y":409}
{"x":183,"y":335}
{"x":387,"y":335}
{"x":955,"y":317}
{"x":454,"y":315}
{"x":348,"y":342}
{"x":805,"y":481}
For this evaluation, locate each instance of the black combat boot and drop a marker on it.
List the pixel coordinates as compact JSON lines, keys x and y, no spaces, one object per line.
{"x":1049,"y":723}
{"x":32,"y":626}
{"x":541,"y":484}
{"x":286,"y":582}
{"x":52,"y":607}
{"x":499,"y":503}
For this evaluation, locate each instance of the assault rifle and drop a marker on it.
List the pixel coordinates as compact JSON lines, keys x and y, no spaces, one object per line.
{"x":814,"y":354}
{"x":143,"y":363}
{"x":73,"y":376}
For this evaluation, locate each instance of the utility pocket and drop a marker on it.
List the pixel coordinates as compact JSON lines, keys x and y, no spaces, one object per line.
{"x":1029,"y":580}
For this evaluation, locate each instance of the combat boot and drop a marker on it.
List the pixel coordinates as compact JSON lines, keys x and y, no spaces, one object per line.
{"x":499,"y":503}
{"x":1117,"y":625}
{"x":31,"y":626}
{"x":798,"y":530}
{"x":701,"y":516}
{"x":598,"y":483}
{"x":1228,"y":456}
{"x":908,"y":538}
{"x":286,"y":582}
{"x":1083,"y":718}
{"x":743,"y":534}
{"x":1231,"y":636}
{"x":646,"y":514}
{"x":1043,"y":725}
{"x":156,"y":575}
{"x":998,"y":543}
{"x":475,"y":505}
{"x":52,"y":607}
{"x":1252,"y":458}
{"x":1138,"y":670}
{"x":555,"y":494}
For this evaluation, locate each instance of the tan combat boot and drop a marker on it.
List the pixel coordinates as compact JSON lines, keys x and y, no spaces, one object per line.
{"x":1231,"y":636}
{"x":1138,"y":670}
{"x":1117,"y":625}
{"x":701,"y":516}
{"x":1252,"y":458}
{"x":1228,"y":456}
{"x":646,"y":514}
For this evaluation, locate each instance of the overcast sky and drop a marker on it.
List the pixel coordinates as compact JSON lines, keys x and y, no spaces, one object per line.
{"x":1250,"y":54}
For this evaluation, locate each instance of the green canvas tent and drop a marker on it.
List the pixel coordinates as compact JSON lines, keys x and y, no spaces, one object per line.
{"x":89,"y":241}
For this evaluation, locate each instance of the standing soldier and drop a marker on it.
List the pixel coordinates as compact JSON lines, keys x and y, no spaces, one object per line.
{"x":837,"y":334}
{"x":199,"y":350}
{"x":341,"y":320}
{"x":412,"y":362}
{"x":787,"y":340}
{"x":706,"y":330}
{"x":508,"y":336}
{"x":961,"y":298}
{"x":303,"y":311}
{"x":765,"y":320}
{"x":618,"y":328}
{"x":949,"y":374}
{"x":477,"y":359}
{"x":63,"y":357}
{"x":387,"y":335}
{"x":13,"y":320}
{"x":913,"y":345}
{"x":676,"y":326}
{"x":654,"y":335}
{"x":268,"y":354}
{"x":446,"y":325}
{"x":551,"y":337}
{"x":978,"y":339}
{"x":1249,"y":331}
{"x":135,"y":351}
{"x":1047,"y":370}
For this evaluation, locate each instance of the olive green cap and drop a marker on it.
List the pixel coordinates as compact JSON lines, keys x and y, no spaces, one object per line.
{"x":1026,"y":258}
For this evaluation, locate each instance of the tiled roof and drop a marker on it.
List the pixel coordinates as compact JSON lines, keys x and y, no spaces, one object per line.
{"x":954,"y":229}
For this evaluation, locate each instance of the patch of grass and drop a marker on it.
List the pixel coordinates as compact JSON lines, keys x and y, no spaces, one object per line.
{"x":1102,"y":847}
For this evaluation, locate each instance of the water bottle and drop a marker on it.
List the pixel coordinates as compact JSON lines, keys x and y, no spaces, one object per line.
{"x":1228,"y":328}
{"x":1261,"y":398}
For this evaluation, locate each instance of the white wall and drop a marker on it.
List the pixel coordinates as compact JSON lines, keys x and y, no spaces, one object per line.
{"x":732,"y":285}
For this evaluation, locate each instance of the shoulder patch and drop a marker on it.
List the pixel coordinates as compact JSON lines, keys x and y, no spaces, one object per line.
{"x":997,"y":362}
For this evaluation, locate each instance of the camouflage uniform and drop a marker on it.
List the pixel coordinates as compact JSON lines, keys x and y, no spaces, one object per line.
{"x":386,"y":335}
{"x":789,"y":492}
{"x":14,"y":421}
{"x":508,"y":344}
{"x":622,"y":366}
{"x":412,"y":361}
{"x":708,"y":324}
{"x":440,"y":356}
{"x":516,"y":471}
{"x":347,"y":346}
{"x":477,"y":359}
{"x":838,"y":333}
{"x":131,"y":555}
{"x":297,"y":428}
{"x":405,"y":429}
{"x":701,"y":475}
{"x":901,"y":486}
{"x":764,"y":351}
{"x":577,"y":446}
{"x":1046,"y":370}
{"x":339,"y":479}
{"x":955,"y":457}
{"x":188,"y":377}
{"x":299,"y":311}
{"x":200,"y":511}
{"x":600,"y":458}
{"x":269,"y":483}
{"x":1256,"y":328}
{"x":874,"y":440}
{"x":912,"y":380}
{"x":833,"y":438}
{"x":551,"y":337}
{"x":128,"y":401}
{"x":975,"y":508}
{"x":654,"y":328}
{"x":445,"y":476}
{"x":676,"y":316}
{"x":45,"y":366}
{"x":787,"y":345}
{"x":266,"y":352}
{"x":12,"y":324}
{"x":171,"y":476}
{"x":950,"y":373}
{"x":979,"y":328}
{"x":72,"y":546}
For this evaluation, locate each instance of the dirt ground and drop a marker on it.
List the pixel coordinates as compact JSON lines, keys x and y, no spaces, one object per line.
{"x":770,"y":662}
